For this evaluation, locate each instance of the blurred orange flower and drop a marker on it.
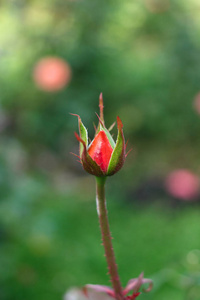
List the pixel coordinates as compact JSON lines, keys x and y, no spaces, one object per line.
{"x":51,"y":74}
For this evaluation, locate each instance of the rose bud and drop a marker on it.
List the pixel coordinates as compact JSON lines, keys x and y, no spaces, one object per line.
{"x":103,"y":156}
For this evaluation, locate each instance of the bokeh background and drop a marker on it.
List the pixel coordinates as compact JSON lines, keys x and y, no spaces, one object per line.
{"x":56,"y":56}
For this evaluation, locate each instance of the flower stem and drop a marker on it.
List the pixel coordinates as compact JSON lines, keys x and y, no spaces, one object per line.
{"x":106,"y":237}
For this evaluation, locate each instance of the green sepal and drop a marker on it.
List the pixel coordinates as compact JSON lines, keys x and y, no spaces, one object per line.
{"x":109,"y":136}
{"x":83,"y":134}
{"x":88,"y":163}
{"x":118,"y":156}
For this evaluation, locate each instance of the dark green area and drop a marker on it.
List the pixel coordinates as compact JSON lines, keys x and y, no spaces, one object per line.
{"x":145,"y":58}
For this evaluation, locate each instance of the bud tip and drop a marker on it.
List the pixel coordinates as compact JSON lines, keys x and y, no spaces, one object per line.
{"x":101,"y":107}
{"x":119,"y":123}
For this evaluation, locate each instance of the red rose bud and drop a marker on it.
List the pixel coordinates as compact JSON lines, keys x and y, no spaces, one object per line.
{"x":103,"y":156}
{"x":101,"y":150}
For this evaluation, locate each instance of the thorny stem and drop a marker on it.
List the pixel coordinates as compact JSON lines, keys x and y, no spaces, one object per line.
{"x":106,"y":237}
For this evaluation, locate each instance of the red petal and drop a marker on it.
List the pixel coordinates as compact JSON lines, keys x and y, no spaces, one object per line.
{"x":100,"y":150}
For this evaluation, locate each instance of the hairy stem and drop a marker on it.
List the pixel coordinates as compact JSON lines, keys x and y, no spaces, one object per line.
{"x":106,"y":237}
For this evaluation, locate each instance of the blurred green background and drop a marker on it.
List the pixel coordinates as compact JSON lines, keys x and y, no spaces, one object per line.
{"x":145,"y":57}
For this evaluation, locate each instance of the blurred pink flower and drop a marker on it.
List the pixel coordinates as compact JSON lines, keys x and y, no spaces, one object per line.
{"x":51,"y":74}
{"x":182,"y":184}
{"x":78,"y":294}
{"x":102,"y":292}
{"x":197,"y":103}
